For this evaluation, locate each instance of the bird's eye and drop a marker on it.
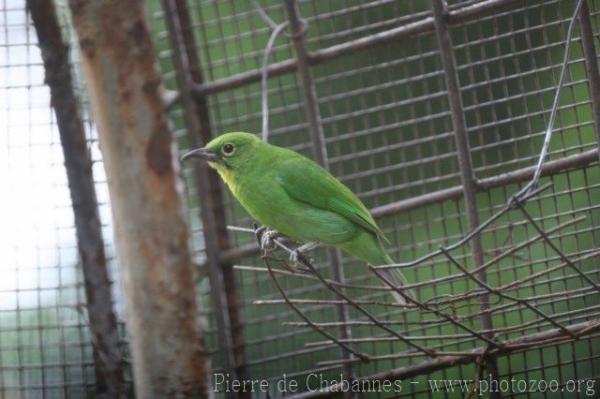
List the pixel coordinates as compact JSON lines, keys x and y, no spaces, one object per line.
{"x":228,"y":149}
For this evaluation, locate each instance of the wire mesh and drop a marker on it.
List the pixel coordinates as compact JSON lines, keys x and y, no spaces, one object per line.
{"x":389,"y":138}
{"x":45,"y":343}
{"x":46,"y":349}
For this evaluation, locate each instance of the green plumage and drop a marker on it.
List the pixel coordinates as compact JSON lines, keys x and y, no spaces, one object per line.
{"x":292,"y":194}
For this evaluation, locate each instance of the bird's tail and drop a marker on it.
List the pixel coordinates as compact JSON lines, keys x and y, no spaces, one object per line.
{"x":368,"y":247}
{"x":397,"y":279}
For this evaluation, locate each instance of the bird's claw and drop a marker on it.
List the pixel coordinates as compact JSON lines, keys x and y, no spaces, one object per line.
{"x":265,"y":237}
{"x":294,"y":255}
{"x":295,"y":264}
{"x":266,"y":241}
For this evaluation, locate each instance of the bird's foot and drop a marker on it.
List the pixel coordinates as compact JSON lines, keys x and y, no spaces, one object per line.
{"x":294,"y":258}
{"x":295,"y":262}
{"x":265,"y":237}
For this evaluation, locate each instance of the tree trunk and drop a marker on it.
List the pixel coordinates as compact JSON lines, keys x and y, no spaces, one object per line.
{"x":146,"y":194}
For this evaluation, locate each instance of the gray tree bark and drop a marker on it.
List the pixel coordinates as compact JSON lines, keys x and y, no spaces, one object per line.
{"x":118,"y":60}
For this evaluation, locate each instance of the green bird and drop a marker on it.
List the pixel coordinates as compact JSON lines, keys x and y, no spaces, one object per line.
{"x":293,"y":195}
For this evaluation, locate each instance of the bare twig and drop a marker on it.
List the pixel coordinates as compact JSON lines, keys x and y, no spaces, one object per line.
{"x":555,"y":248}
{"x":316,"y":327}
{"x":509,"y":205}
{"x":518,"y":344}
{"x":492,"y":290}
{"x":476,"y":381}
{"x":361,"y":309}
{"x":427,"y":308}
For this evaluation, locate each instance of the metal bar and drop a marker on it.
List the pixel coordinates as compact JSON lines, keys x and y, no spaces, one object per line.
{"x":512,"y":250}
{"x":549,"y":168}
{"x":311,"y":106}
{"x":465,"y":238}
{"x":198,"y":137}
{"x":464,"y":160}
{"x":315,"y":127}
{"x":591,"y":63}
{"x":425,"y":25}
{"x":108,"y":357}
{"x":194,"y":110}
{"x":520,"y":175}
{"x":151,"y":234}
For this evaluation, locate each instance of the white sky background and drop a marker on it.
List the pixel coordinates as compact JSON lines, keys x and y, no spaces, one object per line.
{"x":38,"y":251}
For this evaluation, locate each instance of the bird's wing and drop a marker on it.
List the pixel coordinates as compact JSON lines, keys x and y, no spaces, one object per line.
{"x":307,"y":182}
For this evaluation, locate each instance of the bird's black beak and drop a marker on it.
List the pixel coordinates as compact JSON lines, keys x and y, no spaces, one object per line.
{"x":202,"y":153}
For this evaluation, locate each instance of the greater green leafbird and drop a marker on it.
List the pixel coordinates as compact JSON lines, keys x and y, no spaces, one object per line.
{"x":293,"y":195}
